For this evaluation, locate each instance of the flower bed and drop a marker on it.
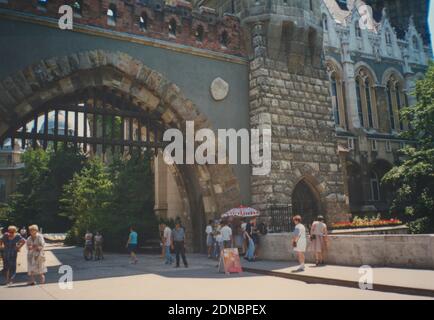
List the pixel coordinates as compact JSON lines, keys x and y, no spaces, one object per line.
{"x":358,"y":223}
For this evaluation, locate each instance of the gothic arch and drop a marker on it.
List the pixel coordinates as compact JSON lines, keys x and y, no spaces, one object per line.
{"x":29,"y":89}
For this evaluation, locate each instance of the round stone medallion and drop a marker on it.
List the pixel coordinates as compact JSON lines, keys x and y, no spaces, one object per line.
{"x":219,"y":89}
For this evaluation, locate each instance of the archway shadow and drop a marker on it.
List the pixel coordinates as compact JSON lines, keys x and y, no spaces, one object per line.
{"x":117,"y":265}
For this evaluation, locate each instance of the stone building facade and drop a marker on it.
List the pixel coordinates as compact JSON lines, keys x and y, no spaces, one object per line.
{"x":329,"y":78}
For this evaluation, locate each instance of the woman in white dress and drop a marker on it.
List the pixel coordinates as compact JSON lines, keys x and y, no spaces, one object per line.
{"x":35,"y":255}
{"x":299,"y":242}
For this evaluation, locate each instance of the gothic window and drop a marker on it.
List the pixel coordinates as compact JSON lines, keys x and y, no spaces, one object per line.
{"x":335,"y":99}
{"x":325,"y":22}
{"x":375,"y":186}
{"x":224,"y":39}
{"x":172,"y":28}
{"x":143,"y":21}
{"x":2,"y":190}
{"x":390,"y":106}
{"x":359,"y":102}
{"x":396,"y":100}
{"x":415,"y":43}
{"x":366,"y":100}
{"x":358,"y":30}
{"x":398,"y":93}
{"x":111,"y":14}
{"x":337,"y":91}
{"x":199,"y":33}
{"x":388,"y":38}
{"x":77,"y":6}
{"x":369,"y":103}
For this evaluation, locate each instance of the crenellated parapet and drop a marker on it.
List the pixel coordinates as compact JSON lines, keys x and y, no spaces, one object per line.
{"x":172,"y":20}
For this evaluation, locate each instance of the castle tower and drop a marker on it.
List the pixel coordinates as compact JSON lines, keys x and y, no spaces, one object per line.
{"x":289,"y":92}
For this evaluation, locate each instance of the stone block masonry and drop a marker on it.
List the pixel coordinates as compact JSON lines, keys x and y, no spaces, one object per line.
{"x":298,"y":110}
{"x":407,"y":251}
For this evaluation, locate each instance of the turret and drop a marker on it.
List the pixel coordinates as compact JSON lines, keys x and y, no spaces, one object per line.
{"x":284,"y":30}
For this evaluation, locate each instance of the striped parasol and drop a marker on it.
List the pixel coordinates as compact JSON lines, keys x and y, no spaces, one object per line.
{"x":241,"y":211}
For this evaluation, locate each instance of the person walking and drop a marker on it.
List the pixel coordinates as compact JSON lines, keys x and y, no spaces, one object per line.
{"x":99,"y":239}
{"x":35,"y":256}
{"x":226,"y":233}
{"x":250,"y":254}
{"x":12,"y":243}
{"x":209,"y":238}
{"x":299,"y":242}
{"x":167,"y":243}
{"x":178,"y":238}
{"x":88,"y":246}
{"x":132,"y":245}
{"x":319,"y":239}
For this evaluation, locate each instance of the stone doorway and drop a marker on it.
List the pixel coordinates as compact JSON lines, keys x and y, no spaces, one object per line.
{"x":305,"y":202}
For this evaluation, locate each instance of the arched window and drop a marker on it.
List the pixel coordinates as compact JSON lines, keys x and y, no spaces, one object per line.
{"x":325,"y":22}
{"x":369,"y":103}
{"x":396,"y":100}
{"x":375,"y":186}
{"x":415,"y":43}
{"x":334,"y":87}
{"x":77,"y":6}
{"x":224,"y":39}
{"x":398,"y":93}
{"x":172,"y":28}
{"x":337,"y":91}
{"x":2,"y":190}
{"x":388,"y":38}
{"x":111,"y":15}
{"x":390,"y":106}
{"x":366,"y":101}
{"x":358,"y":30}
{"x":199,"y":33}
{"x":359,"y":102}
{"x":143,"y":21}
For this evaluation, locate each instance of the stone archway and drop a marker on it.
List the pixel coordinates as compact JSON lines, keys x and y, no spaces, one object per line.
{"x":24,"y":92}
{"x":306,"y":202}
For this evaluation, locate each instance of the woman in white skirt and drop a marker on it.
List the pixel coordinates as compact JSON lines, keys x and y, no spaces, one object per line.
{"x":299,"y":242}
{"x":35,"y":255}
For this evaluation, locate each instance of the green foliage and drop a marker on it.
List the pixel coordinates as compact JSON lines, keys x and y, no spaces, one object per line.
{"x":413,"y":178}
{"x":36,"y":200}
{"x":110,"y":199}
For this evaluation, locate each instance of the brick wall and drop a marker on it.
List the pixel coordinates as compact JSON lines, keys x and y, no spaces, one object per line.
{"x":158,"y":16}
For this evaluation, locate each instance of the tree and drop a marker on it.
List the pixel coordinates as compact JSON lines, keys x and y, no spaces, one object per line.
{"x":36,"y":200}
{"x":87,"y":200}
{"x":413,"y":178}
{"x":110,"y":199}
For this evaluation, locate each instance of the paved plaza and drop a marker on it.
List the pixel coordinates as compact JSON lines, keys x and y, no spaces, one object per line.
{"x":115,"y":278}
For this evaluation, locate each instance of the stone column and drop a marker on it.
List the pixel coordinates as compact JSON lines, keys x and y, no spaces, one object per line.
{"x":350,"y":86}
{"x":160,"y":174}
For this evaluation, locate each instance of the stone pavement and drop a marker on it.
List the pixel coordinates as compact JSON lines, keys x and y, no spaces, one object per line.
{"x":384,"y":279}
{"x":115,"y":278}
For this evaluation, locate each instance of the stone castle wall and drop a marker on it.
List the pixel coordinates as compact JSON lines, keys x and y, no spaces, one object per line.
{"x":289,"y":92}
{"x":298,"y":110}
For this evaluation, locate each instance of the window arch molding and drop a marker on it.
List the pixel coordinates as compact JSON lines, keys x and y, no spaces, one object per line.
{"x":337,"y":91}
{"x":366,"y":83}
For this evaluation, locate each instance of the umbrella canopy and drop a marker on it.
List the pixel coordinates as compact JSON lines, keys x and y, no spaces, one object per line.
{"x":241,"y":211}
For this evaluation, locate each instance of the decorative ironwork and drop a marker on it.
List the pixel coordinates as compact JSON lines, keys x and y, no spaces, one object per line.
{"x":280,"y":219}
{"x":93,"y":120}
